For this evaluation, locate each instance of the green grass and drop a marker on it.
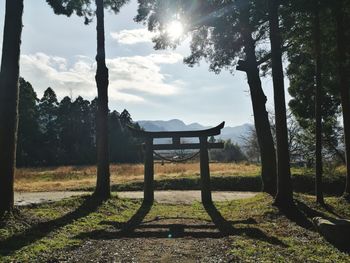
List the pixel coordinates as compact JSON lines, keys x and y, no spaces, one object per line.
{"x":260,"y":233}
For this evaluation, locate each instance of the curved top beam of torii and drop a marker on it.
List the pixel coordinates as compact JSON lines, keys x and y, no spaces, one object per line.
{"x":171,"y":134}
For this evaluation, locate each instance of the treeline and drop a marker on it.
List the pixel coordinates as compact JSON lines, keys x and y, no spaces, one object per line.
{"x":230,"y":153}
{"x":52,"y":132}
{"x":301,"y":143}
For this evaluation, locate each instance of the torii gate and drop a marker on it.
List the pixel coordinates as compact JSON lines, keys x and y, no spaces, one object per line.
{"x":203,"y":147}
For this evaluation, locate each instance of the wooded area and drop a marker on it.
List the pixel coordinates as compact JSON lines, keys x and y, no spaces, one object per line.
{"x":306,"y":41}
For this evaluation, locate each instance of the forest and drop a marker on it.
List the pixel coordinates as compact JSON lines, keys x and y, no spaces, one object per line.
{"x":54,"y":133}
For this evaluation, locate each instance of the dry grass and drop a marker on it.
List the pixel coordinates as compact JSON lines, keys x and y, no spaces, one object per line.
{"x":73,"y":177}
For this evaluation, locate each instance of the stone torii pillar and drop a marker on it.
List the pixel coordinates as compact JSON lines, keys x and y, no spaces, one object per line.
{"x":204,"y":171}
{"x":148,"y":193}
{"x":203,"y":147}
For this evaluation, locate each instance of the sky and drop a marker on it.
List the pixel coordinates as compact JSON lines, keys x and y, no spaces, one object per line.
{"x":59,"y":52}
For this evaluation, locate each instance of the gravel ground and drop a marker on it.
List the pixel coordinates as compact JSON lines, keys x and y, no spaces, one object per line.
{"x":168,"y":197}
{"x":163,"y":240}
{"x":160,"y":240}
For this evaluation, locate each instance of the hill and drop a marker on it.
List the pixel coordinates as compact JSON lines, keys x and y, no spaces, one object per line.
{"x":233,"y":133}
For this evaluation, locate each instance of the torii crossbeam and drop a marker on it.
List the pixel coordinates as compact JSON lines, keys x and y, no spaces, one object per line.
{"x":203,"y":147}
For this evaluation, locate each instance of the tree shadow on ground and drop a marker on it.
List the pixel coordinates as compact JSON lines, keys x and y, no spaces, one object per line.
{"x":42,"y":229}
{"x":227,"y":228}
{"x":299,"y":214}
{"x":302,"y":215}
{"x":218,"y":227}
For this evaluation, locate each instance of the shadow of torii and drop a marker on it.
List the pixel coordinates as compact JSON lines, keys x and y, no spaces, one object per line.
{"x":217,"y":227}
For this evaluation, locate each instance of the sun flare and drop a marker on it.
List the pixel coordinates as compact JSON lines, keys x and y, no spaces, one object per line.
{"x":175,"y":30}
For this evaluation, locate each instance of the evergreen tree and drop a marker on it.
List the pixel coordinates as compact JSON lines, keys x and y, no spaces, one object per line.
{"x":313,"y":84}
{"x":83,"y":8}
{"x":342,"y":17}
{"x":48,"y":107}
{"x":9,"y":75}
{"x":28,"y":126}
{"x":116,"y":137}
{"x":66,"y":136}
{"x":84,"y":131}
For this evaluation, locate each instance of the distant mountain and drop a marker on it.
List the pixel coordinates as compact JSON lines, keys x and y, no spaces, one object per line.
{"x":233,"y":133}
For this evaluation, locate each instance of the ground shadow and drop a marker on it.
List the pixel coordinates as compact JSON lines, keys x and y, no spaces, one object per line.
{"x":302,"y":215}
{"x":227,"y":227}
{"x":41,"y":230}
{"x":331,"y":210}
{"x":137,"y":228}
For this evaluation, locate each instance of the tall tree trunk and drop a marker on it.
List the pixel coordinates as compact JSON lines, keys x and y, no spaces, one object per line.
{"x":344,"y":86}
{"x":102,"y":189}
{"x":9,"y":75}
{"x":261,"y":120}
{"x":284,"y":196}
{"x":318,"y":104}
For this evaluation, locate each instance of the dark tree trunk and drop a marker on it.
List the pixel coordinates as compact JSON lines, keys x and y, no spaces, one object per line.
{"x":9,"y":75}
{"x":103,"y":175}
{"x":344,"y":86}
{"x":284,"y":196}
{"x":261,"y":120}
{"x":318,"y":105}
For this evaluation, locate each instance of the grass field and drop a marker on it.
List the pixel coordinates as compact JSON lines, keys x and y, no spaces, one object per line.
{"x":83,"y":177}
{"x":70,"y":231}
{"x":224,"y":176}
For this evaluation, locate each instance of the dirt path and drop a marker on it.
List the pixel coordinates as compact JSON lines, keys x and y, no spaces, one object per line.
{"x":163,"y":240}
{"x":168,"y":197}
{"x":180,"y":239}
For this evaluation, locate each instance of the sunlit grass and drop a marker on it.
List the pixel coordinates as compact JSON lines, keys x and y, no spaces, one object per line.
{"x":73,"y":177}
{"x":225,"y":176}
{"x":262,"y":233}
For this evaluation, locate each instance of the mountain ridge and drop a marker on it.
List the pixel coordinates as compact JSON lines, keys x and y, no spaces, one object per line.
{"x":234,"y":133}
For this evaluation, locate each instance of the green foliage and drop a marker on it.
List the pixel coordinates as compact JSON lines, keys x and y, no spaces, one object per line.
{"x":230,"y":153}
{"x":48,"y":106}
{"x":124,"y":147}
{"x":301,"y":73}
{"x":83,"y":8}
{"x":28,"y":125}
{"x":56,"y":133}
{"x":214,"y":26}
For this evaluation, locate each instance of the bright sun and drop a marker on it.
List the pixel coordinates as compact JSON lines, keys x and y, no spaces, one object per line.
{"x":175,"y":30}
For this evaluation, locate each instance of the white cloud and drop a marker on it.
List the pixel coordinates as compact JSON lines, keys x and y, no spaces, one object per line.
{"x":133,"y":36}
{"x":128,"y":76}
{"x":44,"y":71}
{"x":143,"y":73}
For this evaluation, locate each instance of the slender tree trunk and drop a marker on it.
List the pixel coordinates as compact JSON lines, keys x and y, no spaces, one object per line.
{"x":344,"y":86}
{"x":261,"y":120}
{"x":103,"y":175}
{"x":284,"y":196}
{"x":318,"y":105}
{"x":9,"y":75}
